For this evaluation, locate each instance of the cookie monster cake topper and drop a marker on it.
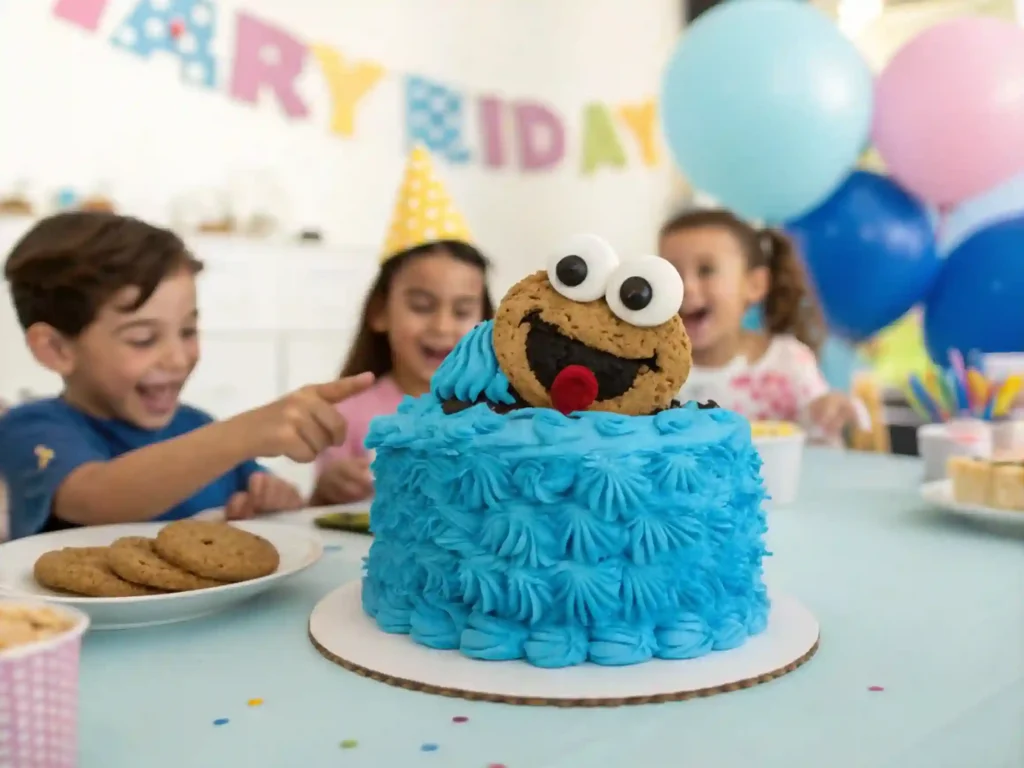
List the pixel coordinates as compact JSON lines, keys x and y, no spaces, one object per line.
{"x":591,"y":333}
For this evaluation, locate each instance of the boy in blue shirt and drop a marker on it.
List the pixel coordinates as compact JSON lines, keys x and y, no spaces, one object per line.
{"x":109,"y":304}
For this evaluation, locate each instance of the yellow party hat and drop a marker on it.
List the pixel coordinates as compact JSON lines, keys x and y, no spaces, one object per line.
{"x":424,"y":211}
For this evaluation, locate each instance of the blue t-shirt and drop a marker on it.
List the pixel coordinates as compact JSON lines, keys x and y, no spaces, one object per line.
{"x":42,"y":442}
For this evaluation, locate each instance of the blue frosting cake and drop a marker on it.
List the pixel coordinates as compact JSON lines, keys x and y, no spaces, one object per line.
{"x":549,"y":501}
{"x":555,"y":539}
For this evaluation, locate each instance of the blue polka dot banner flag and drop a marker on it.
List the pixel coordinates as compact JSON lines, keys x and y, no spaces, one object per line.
{"x":265,"y":63}
{"x":434,"y":119}
{"x":184,"y":28}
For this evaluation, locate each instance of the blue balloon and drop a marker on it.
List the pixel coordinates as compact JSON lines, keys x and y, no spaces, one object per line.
{"x":1000,"y":203}
{"x":977,"y":302}
{"x":870,"y":251}
{"x":766,"y":106}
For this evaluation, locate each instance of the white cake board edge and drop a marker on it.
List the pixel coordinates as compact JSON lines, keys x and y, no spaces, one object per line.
{"x":344,"y":634}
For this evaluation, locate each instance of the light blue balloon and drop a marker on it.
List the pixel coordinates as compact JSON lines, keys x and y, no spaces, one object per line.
{"x":766,"y":106}
{"x":1000,"y":203}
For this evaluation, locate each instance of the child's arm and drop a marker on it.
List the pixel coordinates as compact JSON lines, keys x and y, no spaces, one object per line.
{"x":343,"y":474}
{"x":80,"y":485}
{"x":146,"y":482}
{"x":828,"y":411}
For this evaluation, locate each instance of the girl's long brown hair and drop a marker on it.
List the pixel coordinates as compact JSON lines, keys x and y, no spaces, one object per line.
{"x":789,"y":307}
{"x":371,"y":351}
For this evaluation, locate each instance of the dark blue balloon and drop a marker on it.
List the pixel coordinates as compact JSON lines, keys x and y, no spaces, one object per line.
{"x":870,"y":251}
{"x":978,"y":300}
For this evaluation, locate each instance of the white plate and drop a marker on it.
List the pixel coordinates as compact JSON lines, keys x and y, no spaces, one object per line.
{"x":940,"y":493}
{"x":299,"y":549}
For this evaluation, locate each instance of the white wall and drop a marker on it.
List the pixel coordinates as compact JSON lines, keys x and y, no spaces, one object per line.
{"x":87,"y":114}
{"x":78,"y":112}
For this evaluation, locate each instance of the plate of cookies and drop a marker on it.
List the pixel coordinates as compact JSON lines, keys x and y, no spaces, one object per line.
{"x":144,"y":574}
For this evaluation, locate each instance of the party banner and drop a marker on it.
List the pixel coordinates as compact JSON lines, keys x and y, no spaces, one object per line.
{"x":454,"y":123}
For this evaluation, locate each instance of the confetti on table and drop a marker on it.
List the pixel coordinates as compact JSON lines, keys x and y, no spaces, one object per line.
{"x":429,"y":748}
{"x":332,"y":548}
{"x":875,"y":688}
{"x":221,"y":721}
{"x":255,"y":702}
{"x":349,"y":744}
{"x":460,"y":719}
{"x":496,"y":765}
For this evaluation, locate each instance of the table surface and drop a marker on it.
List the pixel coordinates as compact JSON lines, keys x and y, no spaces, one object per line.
{"x":926,"y":605}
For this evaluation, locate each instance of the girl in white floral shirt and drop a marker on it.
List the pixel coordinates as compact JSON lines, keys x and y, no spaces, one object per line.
{"x":728,"y":267}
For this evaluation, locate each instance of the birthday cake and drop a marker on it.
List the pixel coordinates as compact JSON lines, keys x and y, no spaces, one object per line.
{"x":549,"y":501}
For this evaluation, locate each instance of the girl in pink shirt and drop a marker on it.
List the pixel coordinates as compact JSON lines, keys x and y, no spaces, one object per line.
{"x":425,"y":299}
{"x":728,"y":267}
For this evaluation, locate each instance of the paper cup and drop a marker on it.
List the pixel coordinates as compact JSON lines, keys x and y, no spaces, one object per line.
{"x":39,"y":697}
{"x":782,"y":458}
{"x":937,"y":443}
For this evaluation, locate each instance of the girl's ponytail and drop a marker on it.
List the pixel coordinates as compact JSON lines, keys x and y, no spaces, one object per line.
{"x":789,"y":307}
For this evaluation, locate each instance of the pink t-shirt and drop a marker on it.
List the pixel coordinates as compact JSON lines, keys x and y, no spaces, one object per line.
{"x":382,"y":399}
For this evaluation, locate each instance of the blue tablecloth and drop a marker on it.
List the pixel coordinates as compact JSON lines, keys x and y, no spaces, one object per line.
{"x":928,"y":606}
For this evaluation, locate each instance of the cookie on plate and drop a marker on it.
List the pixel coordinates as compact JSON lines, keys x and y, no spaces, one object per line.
{"x":134,"y":559}
{"x":84,"y":571}
{"x":216,"y":550}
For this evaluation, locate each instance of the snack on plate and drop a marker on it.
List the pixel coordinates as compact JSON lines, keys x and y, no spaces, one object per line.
{"x":186,"y":555}
{"x":216,"y":550}
{"x":773,"y":429}
{"x":134,"y":559}
{"x":550,"y":501}
{"x":84,"y":571}
{"x":996,"y":482}
{"x":25,"y":624}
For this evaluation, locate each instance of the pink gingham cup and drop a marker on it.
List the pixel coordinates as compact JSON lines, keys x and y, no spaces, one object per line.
{"x":39,"y":697}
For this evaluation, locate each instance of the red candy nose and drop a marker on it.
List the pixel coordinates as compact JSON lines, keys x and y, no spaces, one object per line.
{"x":574,"y":389}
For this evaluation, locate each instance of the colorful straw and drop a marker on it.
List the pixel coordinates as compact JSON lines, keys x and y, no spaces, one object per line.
{"x":958,"y":381}
{"x":962,"y":391}
{"x":978,"y":388}
{"x":1004,"y":398}
{"x":923,"y":397}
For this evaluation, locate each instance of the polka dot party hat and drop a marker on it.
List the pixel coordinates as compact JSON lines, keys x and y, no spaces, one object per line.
{"x":424,"y":211}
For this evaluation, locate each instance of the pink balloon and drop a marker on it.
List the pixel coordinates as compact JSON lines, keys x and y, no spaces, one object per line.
{"x":949,"y":109}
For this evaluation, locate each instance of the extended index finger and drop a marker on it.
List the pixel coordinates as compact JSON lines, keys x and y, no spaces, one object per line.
{"x":342,"y":389}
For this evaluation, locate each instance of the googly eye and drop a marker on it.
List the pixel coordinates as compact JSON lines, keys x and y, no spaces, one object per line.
{"x":580,"y":271}
{"x":645,"y":292}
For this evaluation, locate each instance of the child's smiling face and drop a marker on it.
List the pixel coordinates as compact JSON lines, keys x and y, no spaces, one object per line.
{"x":133,"y":364}
{"x":434,"y":300}
{"x":719,"y":285}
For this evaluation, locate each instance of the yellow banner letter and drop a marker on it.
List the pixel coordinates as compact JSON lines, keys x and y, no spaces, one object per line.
{"x":600,"y":140}
{"x":348,"y":84}
{"x":642,"y":121}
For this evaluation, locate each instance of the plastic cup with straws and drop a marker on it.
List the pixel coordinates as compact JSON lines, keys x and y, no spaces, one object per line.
{"x":962,"y":392}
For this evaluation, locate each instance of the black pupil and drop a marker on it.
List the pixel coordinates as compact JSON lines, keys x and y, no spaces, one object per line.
{"x":636,"y":293}
{"x":571,"y":271}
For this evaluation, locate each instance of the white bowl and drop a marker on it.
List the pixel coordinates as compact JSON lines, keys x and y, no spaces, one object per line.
{"x":782,"y":457}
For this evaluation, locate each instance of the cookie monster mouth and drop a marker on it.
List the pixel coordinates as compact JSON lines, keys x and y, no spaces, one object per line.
{"x":549,"y":352}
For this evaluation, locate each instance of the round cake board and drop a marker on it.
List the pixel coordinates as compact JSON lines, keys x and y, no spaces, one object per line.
{"x":344,"y":634}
